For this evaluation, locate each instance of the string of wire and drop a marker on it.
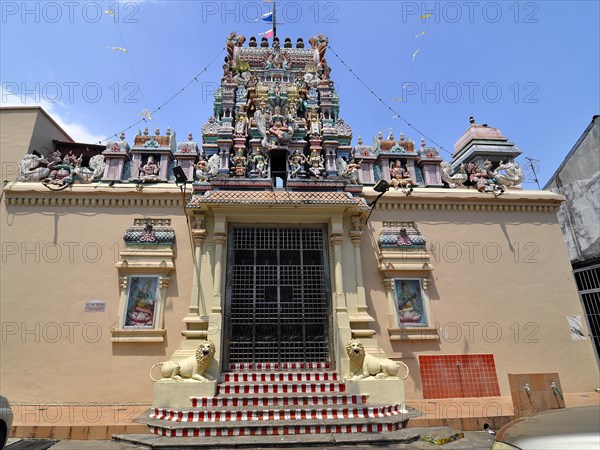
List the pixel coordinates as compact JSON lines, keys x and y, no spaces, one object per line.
{"x":143,"y":119}
{"x":422,"y":39}
{"x":385,"y":104}
{"x":131,"y":65}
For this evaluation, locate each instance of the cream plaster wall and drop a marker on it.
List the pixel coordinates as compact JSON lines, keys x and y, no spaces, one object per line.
{"x":44,"y":293}
{"x":502,"y":284}
{"x":53,"y":351}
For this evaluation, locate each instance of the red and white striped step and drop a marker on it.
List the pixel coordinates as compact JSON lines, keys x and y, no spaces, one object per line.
{"x":243,"y":377}
{"x":275,"y":414}
{"x":280,"y":388}
{"x":270,"y":366}
{"x":264,"y":399}
{"x":276,"y":430}
{"x":302,"y":400}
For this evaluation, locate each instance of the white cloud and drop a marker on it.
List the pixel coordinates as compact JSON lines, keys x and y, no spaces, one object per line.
{"x":78,"y":131}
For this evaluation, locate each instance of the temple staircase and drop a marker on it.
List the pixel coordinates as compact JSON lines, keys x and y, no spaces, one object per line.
{"x":271,"y":399}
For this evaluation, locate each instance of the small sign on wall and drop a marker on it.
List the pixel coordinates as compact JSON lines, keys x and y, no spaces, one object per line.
{"x":95,"y":306}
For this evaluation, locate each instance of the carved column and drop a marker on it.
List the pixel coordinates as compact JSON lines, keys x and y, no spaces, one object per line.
{"x":393,"y":316}
{"x":341,"y":318}
{"x":340,"y":298}
{"x":219,"y":239}
{"x":196,"y":319}
{"x":356,"y":236}
{"x":199,"y":236}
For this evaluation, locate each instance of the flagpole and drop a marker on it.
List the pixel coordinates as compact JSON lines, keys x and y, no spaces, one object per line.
{"x":274,"y":19}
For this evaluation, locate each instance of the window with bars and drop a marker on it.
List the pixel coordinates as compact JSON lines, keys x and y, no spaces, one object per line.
{"x":588,"y":285}
{"x":278,"y":302}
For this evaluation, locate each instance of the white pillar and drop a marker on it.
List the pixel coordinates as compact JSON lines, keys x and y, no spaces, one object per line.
{"x":392,"y":313}
{"x":197,"y":308}
{"x":356,"y":236}
{"x":341,"y":318}
{"x":219,"y":239}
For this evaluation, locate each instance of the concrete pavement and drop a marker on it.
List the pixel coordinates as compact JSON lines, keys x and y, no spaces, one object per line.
{"x":473,"y":440}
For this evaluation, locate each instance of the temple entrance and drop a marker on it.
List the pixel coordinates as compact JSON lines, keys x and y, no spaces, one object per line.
{"x":278,"y":301}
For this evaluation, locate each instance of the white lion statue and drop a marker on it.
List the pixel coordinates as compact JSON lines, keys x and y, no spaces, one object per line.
{"x":363,"y":365}
{"x":190,"y":368}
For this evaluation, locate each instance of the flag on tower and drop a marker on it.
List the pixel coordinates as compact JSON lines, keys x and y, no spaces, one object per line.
{"x":267,"y":34}
{"x":268,"y":17}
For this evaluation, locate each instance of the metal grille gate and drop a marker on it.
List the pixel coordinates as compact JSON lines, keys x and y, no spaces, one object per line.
{"x":278,"y":305}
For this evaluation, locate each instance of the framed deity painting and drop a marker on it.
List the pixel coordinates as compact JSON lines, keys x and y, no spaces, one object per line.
{"x":410,"y":302}
{"x":143,"y":298}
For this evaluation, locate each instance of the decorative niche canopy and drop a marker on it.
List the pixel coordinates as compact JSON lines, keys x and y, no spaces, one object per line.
{"x":144,"y":275}
{"x":402,"y":250}
{"x":404,"y":262}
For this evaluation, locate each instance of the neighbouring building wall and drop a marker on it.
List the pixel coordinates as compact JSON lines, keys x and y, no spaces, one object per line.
{"x":22,"y":130}
{"x":578,"y":179}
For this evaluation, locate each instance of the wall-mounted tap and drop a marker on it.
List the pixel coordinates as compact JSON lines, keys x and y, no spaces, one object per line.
{"x":527,"y":388}
{"x":556,"y":390}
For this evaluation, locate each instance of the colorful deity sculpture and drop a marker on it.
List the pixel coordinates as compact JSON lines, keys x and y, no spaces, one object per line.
{"x":149,"y":171}
{"x":315,"y":164}
{"x":400,"y":178}
{"x":239,"y":162}
{"x":297,"y":161}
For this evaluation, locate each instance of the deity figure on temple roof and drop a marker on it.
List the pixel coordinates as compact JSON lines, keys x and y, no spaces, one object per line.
{"x":241,"y":123}
{"x":239,"y":162}
{"x":297,"y":161}
{"x":274,"y":133}
{"x":315,"y":162}
{"x":314,"y":124}
{"x":483,"y":177}
{"x":149,"y":171}
{"x":282,"y":131}
{"x":360,"y":149}
{"x":251,"y":105}
{"x":400,"y":176}
{"x":349,"y":170}
{"x":260,"y":163}
{"x":234,"y":42}
{"x":319,"y":45}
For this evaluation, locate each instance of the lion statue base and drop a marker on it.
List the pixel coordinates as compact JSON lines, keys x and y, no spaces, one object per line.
{"x":190,"y":368}
{"x":363,"y":365}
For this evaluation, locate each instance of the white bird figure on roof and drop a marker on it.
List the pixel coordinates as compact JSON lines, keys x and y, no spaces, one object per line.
{"x":455,"y":180}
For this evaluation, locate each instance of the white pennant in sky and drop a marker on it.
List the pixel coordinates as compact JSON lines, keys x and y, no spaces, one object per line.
{"x":145,"y":114}
{"x":118,"y":49}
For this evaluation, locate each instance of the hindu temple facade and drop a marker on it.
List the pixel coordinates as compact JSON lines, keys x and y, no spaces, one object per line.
{"x":280,"y":241}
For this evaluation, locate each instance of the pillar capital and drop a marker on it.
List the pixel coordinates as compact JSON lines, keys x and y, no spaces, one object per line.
{"x":389,"y":284}
{"x":336,"y":239}
{"x":219,"y":238}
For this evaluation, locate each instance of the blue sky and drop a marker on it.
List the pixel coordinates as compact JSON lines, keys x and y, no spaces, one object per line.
{"x":531,"y":69}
